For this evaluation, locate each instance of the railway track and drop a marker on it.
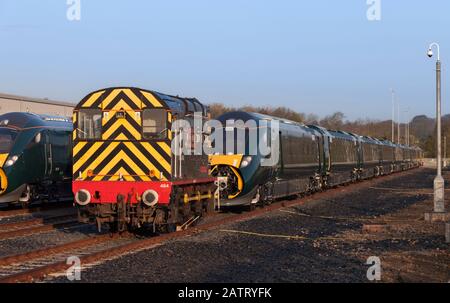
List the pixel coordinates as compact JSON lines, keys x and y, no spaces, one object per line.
{"x":38,"y":225}
{"x":19,"y":267}
{"x":36,"y":265}
{"x":8,"y":213}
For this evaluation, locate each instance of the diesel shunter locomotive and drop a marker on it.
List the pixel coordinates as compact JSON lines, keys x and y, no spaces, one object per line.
{"x":124,"y":171}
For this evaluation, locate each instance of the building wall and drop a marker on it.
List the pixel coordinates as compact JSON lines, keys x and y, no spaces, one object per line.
{"x":8,"y":104}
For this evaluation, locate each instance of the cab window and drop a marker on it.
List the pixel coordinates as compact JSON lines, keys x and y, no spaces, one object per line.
{"x":154,"y":123}
{"x":89,"y":124}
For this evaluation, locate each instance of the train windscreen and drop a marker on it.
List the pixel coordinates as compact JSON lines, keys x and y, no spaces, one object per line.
{"x":7,"y":138}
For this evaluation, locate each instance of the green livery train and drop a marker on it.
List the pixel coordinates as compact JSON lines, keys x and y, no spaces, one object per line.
{"x":308,"y":159}
{"x":35,"y":158}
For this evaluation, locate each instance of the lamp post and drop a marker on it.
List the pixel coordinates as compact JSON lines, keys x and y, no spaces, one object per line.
{"x":439,"y":204}
{"x":393,"y":113}
{"x":407,"y":126}
{"x":398,"y":121}
{"x":445,"y":151}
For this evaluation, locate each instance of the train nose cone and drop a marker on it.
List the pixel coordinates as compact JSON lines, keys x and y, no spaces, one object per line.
{"x":3,"y":181}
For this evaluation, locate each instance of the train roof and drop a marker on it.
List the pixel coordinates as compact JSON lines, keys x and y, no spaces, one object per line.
{"x":371,"y":140}
{"x":245,"y":116}
{"x":20,"y":120}
{"x":343,"y":135}
{"x":176,"y":104}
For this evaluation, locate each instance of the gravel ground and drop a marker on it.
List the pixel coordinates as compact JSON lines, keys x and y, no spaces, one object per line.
{"x":326,"y":243}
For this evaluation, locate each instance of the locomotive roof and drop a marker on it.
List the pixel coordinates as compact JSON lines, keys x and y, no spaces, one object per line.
{"x":28,"y":120}
{"x":178,"y":105}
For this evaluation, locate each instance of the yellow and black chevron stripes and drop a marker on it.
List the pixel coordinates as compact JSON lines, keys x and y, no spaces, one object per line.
{"x":121,"y":98}
{"x":134,"y":161}
{"x":126,"y":129}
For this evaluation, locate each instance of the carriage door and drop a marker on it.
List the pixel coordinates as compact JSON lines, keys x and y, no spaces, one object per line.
{"x":48,"y":154}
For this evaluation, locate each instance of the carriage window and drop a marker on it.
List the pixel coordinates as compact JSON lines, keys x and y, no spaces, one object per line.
{"x":90,"y":124}
{"x":154,"y":123}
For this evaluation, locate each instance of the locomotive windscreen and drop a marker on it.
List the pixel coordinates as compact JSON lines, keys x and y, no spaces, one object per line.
{"x":7,"y":137}
{"x":89,"y":124}
{"x":154,"y":123}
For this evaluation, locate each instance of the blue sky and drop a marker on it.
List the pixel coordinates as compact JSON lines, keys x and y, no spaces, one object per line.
{"x":313,"y":56}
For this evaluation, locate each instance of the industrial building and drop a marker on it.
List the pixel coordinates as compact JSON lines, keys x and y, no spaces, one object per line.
{"x":13,"y":103}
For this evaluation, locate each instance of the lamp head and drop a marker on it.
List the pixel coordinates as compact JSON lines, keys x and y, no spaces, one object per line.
{"x":430,"y":53}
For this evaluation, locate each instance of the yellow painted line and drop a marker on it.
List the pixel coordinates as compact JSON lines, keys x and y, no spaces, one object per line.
{"x":157,"y":156}
{"x":78,"y":147}
{"x":92,"y":99}
{"x":86,"y":156}
{"x":264,"y":235}
{"x":151,"y":99}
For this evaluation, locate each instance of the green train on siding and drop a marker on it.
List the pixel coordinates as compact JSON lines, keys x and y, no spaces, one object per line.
{"x":310,"y":158}
{"x":35,"y":158}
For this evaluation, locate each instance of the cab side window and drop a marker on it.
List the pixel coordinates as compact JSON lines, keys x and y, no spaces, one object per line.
{"x":154,"y":123}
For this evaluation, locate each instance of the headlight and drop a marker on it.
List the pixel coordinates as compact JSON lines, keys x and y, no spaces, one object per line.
{"x":150,"y":198}
{"x":83,"y":197}
{"x":246,"y":161}
{"x":11,"y":160}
